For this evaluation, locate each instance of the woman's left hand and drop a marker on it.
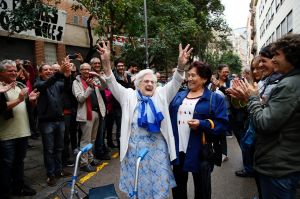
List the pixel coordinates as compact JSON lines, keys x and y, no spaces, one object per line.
{"x":184,"y":56}
{"x":194,"y":124}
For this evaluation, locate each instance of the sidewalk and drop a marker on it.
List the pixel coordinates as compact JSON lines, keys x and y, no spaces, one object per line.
{"x":35,"y":172}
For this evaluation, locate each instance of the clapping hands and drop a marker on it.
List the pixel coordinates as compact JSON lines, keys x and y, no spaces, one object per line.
{"x":5,"y":88}
{"x":241,"y":89}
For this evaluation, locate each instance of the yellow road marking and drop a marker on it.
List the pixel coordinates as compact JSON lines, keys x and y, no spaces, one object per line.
{"x":115,"y":155}
{"x":91,"y":174}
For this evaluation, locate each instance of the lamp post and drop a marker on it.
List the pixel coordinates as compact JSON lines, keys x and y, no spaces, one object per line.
{"x":146,"y":33}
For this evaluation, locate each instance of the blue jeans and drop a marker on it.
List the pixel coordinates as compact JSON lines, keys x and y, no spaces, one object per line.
{"x":12,"y":154}
{"x":279,"y":188}
{"x":53,"y":143}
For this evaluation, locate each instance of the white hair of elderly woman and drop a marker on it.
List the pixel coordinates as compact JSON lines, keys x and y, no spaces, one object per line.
{"x":140,"y":75}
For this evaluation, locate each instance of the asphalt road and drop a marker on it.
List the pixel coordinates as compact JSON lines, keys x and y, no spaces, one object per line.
{"x":225,"y":185}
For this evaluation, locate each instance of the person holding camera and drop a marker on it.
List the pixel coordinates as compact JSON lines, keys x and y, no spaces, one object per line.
{"x":51,"y":117}
{"x":89,"y":108}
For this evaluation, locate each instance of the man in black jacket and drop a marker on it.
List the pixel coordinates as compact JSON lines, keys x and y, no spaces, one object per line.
{"x":51,"y":117}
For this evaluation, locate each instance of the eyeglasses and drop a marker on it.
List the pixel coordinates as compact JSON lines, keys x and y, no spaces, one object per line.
{"x":85,"y":69}
{"x":149,"y":81}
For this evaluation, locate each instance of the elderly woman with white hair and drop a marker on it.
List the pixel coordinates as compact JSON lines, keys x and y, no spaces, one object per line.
{"x":146,"y":124}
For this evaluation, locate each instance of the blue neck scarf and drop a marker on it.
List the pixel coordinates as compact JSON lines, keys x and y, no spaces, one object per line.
{"x":148,"y":117}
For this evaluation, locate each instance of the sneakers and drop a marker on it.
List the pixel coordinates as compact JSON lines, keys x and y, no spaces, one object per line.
{"x":243,"y":173}
{"x":70,"y":163}
{"x":25,"y":191}
{"x":63,"y":174}
{"x":229,"y":134}
{"x":224,"y":158}
{"x":51,"y":181}
{"x":88,"y":168}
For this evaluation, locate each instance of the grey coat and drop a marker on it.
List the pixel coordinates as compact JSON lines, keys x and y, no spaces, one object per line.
{"x":277,"y":126}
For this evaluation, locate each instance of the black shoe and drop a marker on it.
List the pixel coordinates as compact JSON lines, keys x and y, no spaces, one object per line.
{"x":95,"y":162}
{"x":29,"y":146}
{"x":103,"y":156}
{"x":34,"y":136}
{"x":51,"y":181}
{"x":70,"y":163}
{"x":25,"y":191}
{"x":88,"y":168}
{"x":244,"y":173}
{"x":112,"y":145}
{"x":63,"y":174}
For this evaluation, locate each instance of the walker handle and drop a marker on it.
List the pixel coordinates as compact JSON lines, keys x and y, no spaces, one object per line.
{"x":143,"y":153}
{"x":86,"y":148}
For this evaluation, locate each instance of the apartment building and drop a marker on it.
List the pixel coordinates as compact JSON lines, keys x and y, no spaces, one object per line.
{"x":238,"y":39}
{"x":276,"y":18}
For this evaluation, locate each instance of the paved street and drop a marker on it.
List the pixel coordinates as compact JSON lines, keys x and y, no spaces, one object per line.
{"x":225,"y":184}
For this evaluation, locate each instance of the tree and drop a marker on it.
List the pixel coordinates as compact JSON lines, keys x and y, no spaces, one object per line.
{"x":170,"y":22}
{"x":25,"y":14}
{"x":233,"y":60}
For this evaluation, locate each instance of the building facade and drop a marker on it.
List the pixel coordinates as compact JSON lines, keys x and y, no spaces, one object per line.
{"x":45,"y":45}
{"x":251,"y":30}
{"x":276,"y":18}
{"x":238,"y":39}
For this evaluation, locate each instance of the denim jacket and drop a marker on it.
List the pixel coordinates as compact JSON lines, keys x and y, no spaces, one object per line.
{"x":216,"y":112}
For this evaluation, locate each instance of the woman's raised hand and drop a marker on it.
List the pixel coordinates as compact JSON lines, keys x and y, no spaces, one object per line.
{"x":184,"y":56}
{"x":104,"y":52}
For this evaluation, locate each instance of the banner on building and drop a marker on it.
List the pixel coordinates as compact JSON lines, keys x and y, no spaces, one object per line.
{"x":50,"y":26}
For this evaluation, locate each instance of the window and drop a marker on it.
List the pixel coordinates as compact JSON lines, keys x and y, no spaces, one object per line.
{"x":278,"y":32}
{"x":84,"y":21}
{"x":273,"y":7}
{"x":290,"y":22}
{"x":268,"y":18}
{"x":75,"y":20}
{"x":277,"y":4}
{"x":283,"y":27}
{"x":273,"y":37}
{"x":50,"y":53}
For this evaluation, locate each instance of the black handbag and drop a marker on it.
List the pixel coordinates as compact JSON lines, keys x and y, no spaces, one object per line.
{"x":211,"y":149}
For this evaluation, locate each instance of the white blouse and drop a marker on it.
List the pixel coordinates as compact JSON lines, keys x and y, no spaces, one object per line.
{"x":184,"y":114}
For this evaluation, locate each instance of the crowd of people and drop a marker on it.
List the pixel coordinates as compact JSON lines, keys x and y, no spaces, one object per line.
{"x":183,"y":127}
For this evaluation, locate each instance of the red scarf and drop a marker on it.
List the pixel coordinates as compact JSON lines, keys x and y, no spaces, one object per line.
{"x":89,"y":114}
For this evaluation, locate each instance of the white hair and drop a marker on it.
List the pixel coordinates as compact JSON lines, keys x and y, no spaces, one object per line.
{"x":6,"y":62}
{"x":85,"y":64}
{"x":140,"y":75}
{"x":94,"y":59}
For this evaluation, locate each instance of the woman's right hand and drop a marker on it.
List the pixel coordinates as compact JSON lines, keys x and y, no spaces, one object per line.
{"x":194,"y":124}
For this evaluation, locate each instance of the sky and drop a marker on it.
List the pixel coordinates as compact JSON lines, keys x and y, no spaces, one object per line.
{"x":236,"y":12}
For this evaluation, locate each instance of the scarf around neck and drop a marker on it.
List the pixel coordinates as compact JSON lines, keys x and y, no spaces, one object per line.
{"x":89,"y":114}
{"x":148,"y":117}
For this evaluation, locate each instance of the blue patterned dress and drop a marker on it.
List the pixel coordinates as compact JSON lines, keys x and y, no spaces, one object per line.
{"x":155,"y":173}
